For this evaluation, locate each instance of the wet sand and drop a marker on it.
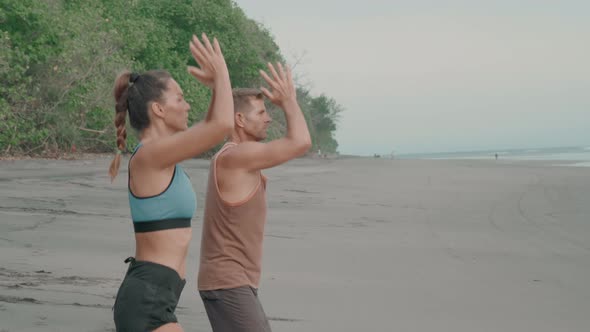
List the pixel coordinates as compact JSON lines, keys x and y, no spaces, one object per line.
{"x":351,"y":245}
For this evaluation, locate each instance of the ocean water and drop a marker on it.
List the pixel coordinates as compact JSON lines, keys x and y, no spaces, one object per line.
{"x":563,"y":156}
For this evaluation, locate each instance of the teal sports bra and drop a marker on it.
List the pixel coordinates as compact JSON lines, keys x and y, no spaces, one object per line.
{"x":173,"y":208}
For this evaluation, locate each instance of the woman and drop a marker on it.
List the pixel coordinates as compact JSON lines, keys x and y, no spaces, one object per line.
{"x":161,"y":196}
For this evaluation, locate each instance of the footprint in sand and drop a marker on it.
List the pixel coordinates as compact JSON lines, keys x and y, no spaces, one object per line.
{"x":42,"y":321}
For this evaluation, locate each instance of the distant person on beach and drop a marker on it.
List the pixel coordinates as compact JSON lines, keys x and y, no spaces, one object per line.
{"x":235,"y":207}
{"x":496,"y":156}
{"x":161,"y":195}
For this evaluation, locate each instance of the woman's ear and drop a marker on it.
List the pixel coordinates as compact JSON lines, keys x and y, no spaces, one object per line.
{"x":157,"y":110}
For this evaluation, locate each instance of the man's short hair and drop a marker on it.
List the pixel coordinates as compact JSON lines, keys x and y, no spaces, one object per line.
{"x":243,"y":96}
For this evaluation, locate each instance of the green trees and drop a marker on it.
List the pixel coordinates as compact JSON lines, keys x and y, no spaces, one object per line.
{"x":59,"y":58}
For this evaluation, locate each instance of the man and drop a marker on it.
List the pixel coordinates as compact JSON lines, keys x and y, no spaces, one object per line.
{"x":235,"y":207}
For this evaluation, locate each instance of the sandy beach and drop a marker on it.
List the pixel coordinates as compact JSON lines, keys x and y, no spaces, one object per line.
{"x":351,"y":245}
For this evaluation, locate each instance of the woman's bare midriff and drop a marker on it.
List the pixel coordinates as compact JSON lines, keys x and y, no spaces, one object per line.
{"x":167,"y":247}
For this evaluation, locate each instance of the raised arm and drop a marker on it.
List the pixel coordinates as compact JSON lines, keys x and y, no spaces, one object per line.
{"x":256,"y":155}
{"x":218,"y":122}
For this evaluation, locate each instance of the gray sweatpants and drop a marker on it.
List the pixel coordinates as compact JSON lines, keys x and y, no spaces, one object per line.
{"x":235,"y":309}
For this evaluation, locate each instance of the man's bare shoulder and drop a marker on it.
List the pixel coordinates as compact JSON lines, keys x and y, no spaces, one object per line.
{"x":232,"y":157}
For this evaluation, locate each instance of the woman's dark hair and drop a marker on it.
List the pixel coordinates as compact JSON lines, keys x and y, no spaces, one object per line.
{"x":134,"y":92}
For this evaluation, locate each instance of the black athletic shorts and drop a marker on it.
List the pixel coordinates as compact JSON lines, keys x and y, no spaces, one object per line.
{"x":147,"y":297}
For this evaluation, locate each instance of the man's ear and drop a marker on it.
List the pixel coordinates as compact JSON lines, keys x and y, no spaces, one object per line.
{"x":239,"y":119}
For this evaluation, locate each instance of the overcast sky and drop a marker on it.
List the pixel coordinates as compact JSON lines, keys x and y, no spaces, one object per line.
{"x":437,"y":75}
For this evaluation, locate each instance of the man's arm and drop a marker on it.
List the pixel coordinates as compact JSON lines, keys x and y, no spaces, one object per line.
{"x":253,"y":156}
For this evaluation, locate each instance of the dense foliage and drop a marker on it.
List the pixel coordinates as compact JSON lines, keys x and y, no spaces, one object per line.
{"x":59,"y":59}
